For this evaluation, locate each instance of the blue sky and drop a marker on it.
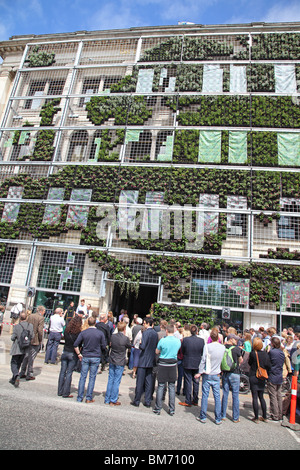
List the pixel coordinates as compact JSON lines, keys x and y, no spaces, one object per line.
{"x":20,"y":17}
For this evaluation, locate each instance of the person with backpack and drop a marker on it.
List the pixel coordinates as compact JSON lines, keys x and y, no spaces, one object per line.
{"x":21,"y":337}
{"x":15,"y":315}
{"x":231,"y":376}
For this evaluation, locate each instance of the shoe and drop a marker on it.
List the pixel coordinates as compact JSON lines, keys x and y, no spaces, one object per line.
{"x":254,"y":420}
{"x":194,"y":403}
{"x":236,"y":420}
{"x":22,"y":376}
{"x":201,"y":420}
{"x":17,"y":382}
{"x":134,"y":404}
{"x":218,"y":422}
{"x":263,"y":419}
{"x":69,"y":396}
{"x":89,"y":401}
{"x":157,"y":412}
{"x":147,"y":406}
{"x":117,"y":403}
{"x":30,"y":378}
{"x":182,"y":403}
{"x":171,"y":413}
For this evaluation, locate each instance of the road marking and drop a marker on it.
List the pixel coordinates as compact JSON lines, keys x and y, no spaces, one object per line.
{"x":294,"y":435}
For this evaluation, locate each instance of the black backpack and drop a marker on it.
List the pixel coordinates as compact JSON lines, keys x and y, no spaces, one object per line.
{"x":25,"y":338}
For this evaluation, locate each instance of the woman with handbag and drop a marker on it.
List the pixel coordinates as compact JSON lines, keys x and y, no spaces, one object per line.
{"x":259,"y":362}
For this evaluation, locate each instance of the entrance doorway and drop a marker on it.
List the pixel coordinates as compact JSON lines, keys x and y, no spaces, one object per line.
{"x":134,"y":305}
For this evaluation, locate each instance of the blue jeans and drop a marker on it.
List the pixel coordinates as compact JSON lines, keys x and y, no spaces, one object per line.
{"x":68,"y":363}
{"x":231,"y":380}
{"x":113,"y":384}
{"x":212,"y":381}
{"x":88,"y":364}
{"x":52,"y":345}
{"x":130,"y":363}
{"x":159,"y":396}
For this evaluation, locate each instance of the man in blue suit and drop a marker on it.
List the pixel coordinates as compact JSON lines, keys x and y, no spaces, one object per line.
{"x":192,"y":350}
{"x":144,"y":378}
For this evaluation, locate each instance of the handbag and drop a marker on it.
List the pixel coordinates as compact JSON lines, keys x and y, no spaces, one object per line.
{"x":261,"y":373}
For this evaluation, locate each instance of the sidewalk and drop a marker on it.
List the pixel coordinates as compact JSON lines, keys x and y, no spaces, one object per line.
{"x":49,"y":373}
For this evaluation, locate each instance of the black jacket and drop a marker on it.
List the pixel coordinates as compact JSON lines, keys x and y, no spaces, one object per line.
{"x":264,"y":361}
{"x":147,"y":347}
{"x":104,"y":327}
{"x":192,"y":350}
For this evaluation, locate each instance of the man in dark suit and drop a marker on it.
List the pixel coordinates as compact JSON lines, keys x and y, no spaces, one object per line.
{"x":103,"y":326}
{"x":144,"y":379}
{"x":192,"y":349}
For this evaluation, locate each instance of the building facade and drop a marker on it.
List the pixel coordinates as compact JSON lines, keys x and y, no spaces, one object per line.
{"x":154,"y":168}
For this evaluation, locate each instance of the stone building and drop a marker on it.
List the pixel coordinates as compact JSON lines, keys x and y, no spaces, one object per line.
{"x":154,"y":167}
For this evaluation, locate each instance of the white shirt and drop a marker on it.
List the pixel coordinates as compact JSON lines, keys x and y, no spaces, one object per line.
{"x":56,"y":323}
{"x":204,"y":334}
{"x":82,"y":308}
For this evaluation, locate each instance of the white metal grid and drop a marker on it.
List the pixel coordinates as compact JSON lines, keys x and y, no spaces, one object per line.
{"x":247,"y":235}
{"x":7,"y":264}
{"x":108,"y":51}
{"x":91,"y":146}
{"x":61,"y":270}
{"x":54,"y":54}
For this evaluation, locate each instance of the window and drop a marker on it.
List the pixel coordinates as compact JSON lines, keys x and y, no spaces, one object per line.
{"x":126,"y":216}
{"x":77,"y":214}
{"x":90,"y":87}
{"x":22,"y":147}
{"x":53,"y":211}
{"x":11,"y":209}
{"x":41,"y":88}
{"x":138,"y":145}
{"x":61,"y":270}
{"x":36,"y":88}
{"x":288,"y":226}
{"x":237,"y":223}
{"x":210,"y":219}
{"x":153,"y":217}
{"x":7,"y":264}
{"x":219,"y":289}
{"x":78,"y":147}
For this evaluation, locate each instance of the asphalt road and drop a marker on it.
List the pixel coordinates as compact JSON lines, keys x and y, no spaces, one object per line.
{"x":33,"y":417}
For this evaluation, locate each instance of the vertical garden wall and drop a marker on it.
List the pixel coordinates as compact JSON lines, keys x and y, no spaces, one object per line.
{"x":166,"y":160}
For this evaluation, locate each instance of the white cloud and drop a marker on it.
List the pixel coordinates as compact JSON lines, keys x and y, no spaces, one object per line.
{"x":3,"y":32}
{"x":281,"y":12}
{"x":190,"y":10}
{"x":133,"y":13}
{"x":113,"y":16}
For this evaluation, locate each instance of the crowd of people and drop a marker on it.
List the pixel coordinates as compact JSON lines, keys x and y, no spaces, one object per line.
{"x":166,"y":357}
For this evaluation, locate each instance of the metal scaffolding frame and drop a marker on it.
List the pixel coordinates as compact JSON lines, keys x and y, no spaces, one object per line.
{"x":73,"y":65}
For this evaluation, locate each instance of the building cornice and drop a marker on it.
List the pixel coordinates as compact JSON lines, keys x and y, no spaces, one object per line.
{"x":21,"y":41}
{"x":16,"y":44}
